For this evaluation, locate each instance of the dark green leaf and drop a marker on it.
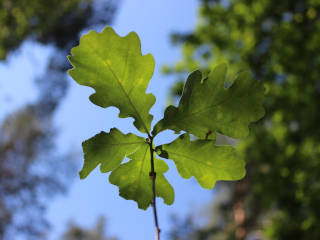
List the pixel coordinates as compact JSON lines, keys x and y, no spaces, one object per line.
{"x":206,"y":106}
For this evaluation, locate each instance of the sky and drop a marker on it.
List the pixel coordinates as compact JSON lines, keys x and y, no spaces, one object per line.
{"x":78,"y":119}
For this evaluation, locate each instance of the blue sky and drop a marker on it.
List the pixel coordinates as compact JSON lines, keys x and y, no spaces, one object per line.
{"x":78,"y":119}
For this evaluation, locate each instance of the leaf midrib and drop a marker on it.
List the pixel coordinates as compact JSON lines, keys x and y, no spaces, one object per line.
{"x":122,"y":88}
{"x":128,"y":97}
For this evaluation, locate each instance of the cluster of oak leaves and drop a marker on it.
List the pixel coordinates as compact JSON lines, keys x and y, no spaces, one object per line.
{"x":119,"y":73}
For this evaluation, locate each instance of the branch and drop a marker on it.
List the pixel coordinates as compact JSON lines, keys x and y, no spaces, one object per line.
{"x":153,"y":175}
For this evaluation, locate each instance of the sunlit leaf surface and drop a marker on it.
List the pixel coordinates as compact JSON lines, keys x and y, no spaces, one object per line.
{"x":115,"y":68}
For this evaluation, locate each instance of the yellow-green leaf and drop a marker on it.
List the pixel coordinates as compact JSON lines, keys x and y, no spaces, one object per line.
{"x":115,"y":68}
{"x":134,"y":181}
{"x":204,"y":160}
{"x":109,"y":150}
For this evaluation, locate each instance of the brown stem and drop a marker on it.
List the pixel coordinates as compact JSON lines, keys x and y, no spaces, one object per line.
{"x":207,"y":134}
{"x":153,"y":175}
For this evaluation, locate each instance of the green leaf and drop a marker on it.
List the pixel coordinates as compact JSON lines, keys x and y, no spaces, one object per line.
{"x":115,"y":68}
{"x":134,"y":181}
{"x":204,"y":160}
{"x":207,"y":106}
{"x":109,"y":150}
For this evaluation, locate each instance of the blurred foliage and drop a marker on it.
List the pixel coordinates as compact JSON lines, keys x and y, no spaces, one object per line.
{"x":31,"y":170}
{"x":75,"y":232}
{"x":50,"y":22}
{"x":280,"y":42}
{"x":184,"y":229}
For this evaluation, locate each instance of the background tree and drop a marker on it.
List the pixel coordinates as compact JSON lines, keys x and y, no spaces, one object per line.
{"x":30,"y":168}
{"x":280,"y":42}
{"x":98,"y":232}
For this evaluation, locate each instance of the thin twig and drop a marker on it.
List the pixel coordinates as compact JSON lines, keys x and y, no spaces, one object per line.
{"x":153,"y":175}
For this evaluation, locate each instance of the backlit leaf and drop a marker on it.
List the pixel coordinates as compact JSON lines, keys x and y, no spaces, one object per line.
{"x":207,"y":106}
{"x":115,"y":68}
{"x":134,"y":181}
{"x":204,"y":160}
{"x":109,"y":150}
